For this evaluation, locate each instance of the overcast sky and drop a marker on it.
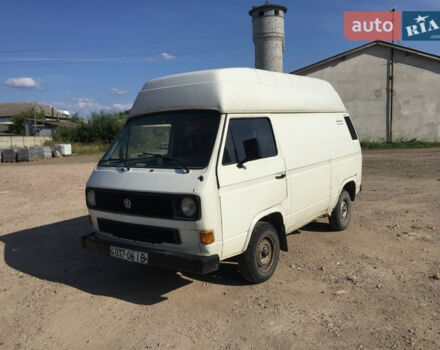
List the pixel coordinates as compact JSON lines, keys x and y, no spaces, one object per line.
{"x":89,"y":55}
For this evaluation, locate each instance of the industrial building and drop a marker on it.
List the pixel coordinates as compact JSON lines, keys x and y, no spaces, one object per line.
{"x":391,"y":91}
{"x":43,"y":127}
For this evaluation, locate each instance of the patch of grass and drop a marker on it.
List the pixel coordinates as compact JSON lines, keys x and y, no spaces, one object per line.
{"x":48,"y":143}
{"x":89,"y":148}
{"x":399,"y":144}
{"x":83,"y":148}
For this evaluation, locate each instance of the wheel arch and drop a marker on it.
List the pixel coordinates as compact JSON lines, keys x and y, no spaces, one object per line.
{"x":275,"y":217}
{"x":350,"y":186}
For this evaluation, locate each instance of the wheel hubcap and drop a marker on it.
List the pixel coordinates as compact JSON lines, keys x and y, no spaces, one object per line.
{"x":344,"y":210}
{"x":265,"y":254}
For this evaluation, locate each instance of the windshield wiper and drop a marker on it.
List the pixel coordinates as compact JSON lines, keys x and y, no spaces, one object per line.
{"x":175,"y":160}
{"x":111,"y":161}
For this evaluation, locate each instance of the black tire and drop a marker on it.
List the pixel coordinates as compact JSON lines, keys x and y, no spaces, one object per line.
{"x":259,"y":261}
{"x":341,"y":214}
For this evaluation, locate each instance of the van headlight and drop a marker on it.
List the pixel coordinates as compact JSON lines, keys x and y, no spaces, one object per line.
{"x":91,"y":198}
{"x":188,"y":206}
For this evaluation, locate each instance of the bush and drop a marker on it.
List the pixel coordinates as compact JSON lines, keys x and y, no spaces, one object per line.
{"x":414,"y":143}
{"x":17,"y":126}
{"x":89,"y":148}
{"x":101,"y":128}
{"x":82,"y":148}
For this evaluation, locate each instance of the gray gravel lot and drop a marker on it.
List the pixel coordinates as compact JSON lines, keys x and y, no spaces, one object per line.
{"x":372,"y":286}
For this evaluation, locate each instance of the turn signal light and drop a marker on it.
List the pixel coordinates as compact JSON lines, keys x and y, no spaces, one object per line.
{"x":207,"y":237}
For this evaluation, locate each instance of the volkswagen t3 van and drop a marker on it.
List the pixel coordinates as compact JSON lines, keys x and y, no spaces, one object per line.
{"x":223,"y":163}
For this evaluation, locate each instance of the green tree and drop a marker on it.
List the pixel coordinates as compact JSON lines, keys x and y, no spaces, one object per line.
{"x":17,"y":126}
{"x":102,"y":127}
{"x":76,"y":118}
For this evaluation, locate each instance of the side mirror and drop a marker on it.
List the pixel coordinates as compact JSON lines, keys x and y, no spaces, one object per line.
{"x":251,"y":151}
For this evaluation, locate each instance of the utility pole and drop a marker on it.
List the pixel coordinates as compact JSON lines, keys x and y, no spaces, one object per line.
{"x":393,"y":11}
{"x":390,"y":84}
{"x":36,"y":110}
{"x":35,"y":121}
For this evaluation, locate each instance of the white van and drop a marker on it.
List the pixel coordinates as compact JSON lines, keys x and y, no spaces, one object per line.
{"x":223,"y":163}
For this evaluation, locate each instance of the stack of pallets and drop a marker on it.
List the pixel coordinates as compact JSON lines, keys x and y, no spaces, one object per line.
{"x":39,"y":152}
{"x":30,"y":154}
{"x":47,"y":153}
{"x":10,"y":154}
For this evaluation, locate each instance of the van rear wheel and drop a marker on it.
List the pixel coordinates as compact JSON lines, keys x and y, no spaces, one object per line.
{"x":341,"y":214}
{"x":259,"y":261}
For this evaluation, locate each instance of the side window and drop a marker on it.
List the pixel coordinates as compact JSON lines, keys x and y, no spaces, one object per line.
{"x":350,"y":127}
{"x":249,"y":139}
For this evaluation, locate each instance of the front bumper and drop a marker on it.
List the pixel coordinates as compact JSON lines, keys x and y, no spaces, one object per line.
{"x":177,"y":261}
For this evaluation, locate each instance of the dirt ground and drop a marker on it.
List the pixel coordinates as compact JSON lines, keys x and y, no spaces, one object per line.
{"x":372,"y":286}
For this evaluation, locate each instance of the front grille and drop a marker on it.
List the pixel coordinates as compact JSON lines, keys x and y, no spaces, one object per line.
{"x":145,"y":204}
{"x":139,"y":232}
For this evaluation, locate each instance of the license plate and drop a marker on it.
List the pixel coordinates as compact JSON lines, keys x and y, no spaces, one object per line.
{"x":129,"y":255}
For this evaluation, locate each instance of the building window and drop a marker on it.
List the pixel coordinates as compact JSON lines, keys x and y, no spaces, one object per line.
{"x":277,"y":12}
{"x":261,"y":13}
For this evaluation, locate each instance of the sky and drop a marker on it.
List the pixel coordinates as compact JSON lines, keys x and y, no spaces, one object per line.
{"x":84,"y":56}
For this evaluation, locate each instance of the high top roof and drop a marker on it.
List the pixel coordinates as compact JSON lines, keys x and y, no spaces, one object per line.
{"x":237,"y":90}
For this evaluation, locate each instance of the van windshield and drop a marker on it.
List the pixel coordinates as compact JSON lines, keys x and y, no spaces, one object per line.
{"x":167,"y":140}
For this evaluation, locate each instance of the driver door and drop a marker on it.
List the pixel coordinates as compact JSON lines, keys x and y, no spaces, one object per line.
{"x":252,"y":177}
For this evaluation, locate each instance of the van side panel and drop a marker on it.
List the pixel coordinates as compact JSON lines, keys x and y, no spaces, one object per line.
{"x":304,"y":141}
{"x":346,"y":159}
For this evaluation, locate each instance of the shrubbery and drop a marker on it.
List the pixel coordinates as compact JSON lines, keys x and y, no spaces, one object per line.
{"x":17,"y":126}
{"x":414,"y":143}
{"x":102,"y":127}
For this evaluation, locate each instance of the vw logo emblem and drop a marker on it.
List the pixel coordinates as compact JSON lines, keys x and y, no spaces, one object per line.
{"x":127,"y":203}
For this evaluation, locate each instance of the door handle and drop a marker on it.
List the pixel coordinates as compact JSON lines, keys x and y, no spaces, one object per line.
{"x":281,"y":176}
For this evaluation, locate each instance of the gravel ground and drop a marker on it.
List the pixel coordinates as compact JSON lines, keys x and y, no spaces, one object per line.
{"x":375,"y":285}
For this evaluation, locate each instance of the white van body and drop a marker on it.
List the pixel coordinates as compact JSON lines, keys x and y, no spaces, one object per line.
{"x":311,"y":157}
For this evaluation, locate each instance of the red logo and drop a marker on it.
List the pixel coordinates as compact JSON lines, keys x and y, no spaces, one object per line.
{"x":366,"y":26}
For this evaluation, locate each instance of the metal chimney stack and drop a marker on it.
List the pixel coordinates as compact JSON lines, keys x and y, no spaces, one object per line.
{"x":268,"y":36}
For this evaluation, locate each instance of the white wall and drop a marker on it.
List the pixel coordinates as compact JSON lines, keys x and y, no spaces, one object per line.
{"x":361,"y":81}
{"x":416,"y":99}
{"x":22,"y":141}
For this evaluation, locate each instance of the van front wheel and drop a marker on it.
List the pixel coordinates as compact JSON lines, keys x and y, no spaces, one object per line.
{"x":341,"y":214}
{"x":259,"y":261}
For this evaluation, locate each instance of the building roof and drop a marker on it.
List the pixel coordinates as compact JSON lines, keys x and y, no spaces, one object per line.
{"x":364,"y":47}
{"x":52,"y":122}
{"x":237,"y":90}
{"x":11,"y":109}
